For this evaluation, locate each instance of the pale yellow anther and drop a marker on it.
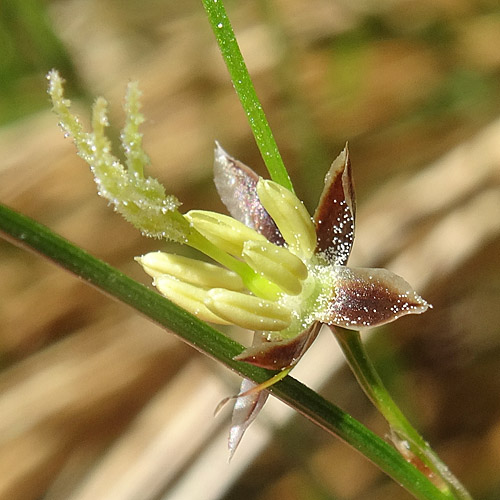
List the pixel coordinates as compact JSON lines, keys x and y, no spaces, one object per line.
{"x":247,"y":311}
{"x":223,"y":231}
{"x":189,"y":270}
{"x":277,"y":264}
{"x":290,"y":215}
{"x":189,"y":297}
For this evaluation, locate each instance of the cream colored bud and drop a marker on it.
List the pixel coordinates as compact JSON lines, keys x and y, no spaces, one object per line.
{"x":189,"y":270}
{"x":247,"y":311}
{"x":277,"y":264}
{"x":223,"y":231}
{"x":189,"y":297}
{"x":290,"y":215}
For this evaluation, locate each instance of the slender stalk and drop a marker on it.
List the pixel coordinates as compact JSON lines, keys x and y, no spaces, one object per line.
{"x":243,"y":85}
{"x":405,"y":437}
{"x":27,"y":233}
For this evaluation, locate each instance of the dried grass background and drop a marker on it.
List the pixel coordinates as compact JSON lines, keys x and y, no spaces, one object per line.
{"x":97,"y":402}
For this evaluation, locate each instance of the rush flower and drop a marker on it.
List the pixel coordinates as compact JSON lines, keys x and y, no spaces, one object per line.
{"x":278,"y":271}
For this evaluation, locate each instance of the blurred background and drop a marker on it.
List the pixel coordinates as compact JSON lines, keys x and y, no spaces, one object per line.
{"x":97,"y":402}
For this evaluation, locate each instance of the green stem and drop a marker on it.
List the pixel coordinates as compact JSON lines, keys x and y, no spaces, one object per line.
{"x":243,"y":85}
{"x":28,"y":233}
{"x":405,"y":437}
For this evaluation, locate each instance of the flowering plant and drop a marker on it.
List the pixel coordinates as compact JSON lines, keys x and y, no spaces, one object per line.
{"x":284,"y":272}
{"x":279,"y":272}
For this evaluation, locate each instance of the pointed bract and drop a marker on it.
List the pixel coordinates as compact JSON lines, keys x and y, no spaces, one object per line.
{"x":336,"y":212}
{"x":277,"y":355}
{"x":237,"y":187}
{"x":365,"y":297}
{"x":246,"y":408}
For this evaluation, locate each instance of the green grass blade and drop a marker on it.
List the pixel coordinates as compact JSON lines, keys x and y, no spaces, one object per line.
{"x":243,"y":85}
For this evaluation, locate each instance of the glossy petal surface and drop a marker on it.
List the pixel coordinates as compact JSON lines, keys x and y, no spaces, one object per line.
{"x":366,"y":297}
{"x":237,"y":187}
{"x":280,"y":354}
{"x":336,"y":212}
